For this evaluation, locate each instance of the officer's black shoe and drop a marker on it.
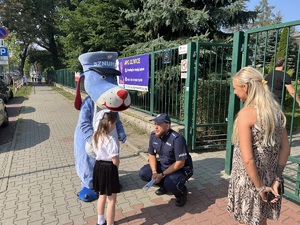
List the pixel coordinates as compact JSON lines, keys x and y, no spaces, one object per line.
{"x":161,"y":191}
{"x":180,"y":201}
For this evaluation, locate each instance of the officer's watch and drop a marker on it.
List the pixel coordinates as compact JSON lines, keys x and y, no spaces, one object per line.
{"x":163,"y":175}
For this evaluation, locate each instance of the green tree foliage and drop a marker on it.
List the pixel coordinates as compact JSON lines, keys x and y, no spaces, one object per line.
{"x":265,"y":16}
{"x":32,"y":21}
{"x":68,"y":28}
{"x":14,"y":53}
{"x":283,"y":43}
{"x":286,"y":49}
{"x":173,"y":19}
{"x":46,"y":31}
{"x":93,"y":25}
{"x":263,"y":44}
{"x":16,"y":17}
{"x":241,"y":26}
{"x":159,"y":24}
{"x":41,"y":60}
{"x":281,"y":49}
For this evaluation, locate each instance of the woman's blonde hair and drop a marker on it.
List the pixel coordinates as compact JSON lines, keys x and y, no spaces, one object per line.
{"x":103,"y":127}
{"x":259,"y":97}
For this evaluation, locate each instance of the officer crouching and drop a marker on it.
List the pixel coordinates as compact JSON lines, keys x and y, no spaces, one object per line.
{"x":175,"y":166}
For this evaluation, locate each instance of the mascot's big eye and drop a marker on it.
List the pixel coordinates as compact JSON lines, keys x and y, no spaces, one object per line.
{"x":103,"y":77}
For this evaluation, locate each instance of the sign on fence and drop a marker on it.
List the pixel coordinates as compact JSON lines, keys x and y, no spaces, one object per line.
{"x":182,"y":49}
{"x":167,"y":56}
{"x":134,"y":72}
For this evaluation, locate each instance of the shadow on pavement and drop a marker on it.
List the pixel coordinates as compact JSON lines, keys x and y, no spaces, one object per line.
{"x":30,"y":133}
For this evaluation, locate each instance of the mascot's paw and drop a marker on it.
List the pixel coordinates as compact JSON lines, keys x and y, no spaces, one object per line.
{"x":87,"y":195}
{"x":90,"y":150}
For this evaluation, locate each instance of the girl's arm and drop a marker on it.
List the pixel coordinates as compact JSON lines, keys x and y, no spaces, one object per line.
{"x":116,"y":160}
{"x":114,"y":151}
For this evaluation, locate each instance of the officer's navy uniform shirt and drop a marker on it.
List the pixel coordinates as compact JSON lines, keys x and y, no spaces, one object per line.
{"x":170,"y":148}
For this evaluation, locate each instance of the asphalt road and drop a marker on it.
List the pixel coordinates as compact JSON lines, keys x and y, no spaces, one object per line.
{"x":13,"y":109}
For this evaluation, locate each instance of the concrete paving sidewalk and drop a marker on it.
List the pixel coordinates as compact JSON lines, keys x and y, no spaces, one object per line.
{"x":39,"y":184}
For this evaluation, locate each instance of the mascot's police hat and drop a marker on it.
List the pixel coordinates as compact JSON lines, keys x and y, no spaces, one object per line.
{"x":104,"y":62}
{"x":101,"y":62}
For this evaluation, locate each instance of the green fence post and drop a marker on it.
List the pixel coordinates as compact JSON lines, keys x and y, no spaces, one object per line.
{"x":152,"y":81}
{"x":233,"y":100}
{"x":188,"y":131}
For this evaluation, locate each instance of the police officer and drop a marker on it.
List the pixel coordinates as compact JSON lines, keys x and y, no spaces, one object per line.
{"x":174,"y":166}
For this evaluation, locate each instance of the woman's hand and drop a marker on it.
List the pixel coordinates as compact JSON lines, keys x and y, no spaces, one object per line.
{"x":275,"y":187}
{"x":264,"y":192}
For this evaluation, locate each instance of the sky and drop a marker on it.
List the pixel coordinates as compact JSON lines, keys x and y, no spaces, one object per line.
{"x":289,"y":8}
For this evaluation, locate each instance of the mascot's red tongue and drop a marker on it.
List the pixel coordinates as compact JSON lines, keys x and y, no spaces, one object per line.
{"x":78,"y":101}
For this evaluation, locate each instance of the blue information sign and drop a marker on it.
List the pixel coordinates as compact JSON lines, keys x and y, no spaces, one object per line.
{"x":3,"y":51}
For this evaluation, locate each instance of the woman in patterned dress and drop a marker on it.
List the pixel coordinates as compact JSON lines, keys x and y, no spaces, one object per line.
{"x":261,"y":149}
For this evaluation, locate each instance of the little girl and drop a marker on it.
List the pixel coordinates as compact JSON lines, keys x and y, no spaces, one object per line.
{"x":106,"y":176}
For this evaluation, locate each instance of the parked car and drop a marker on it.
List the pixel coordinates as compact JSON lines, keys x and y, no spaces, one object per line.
{"x":6,"y":91}
{"x":3,"y":114}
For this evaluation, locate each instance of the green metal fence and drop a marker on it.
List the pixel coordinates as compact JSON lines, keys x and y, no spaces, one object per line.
{"x":63,"y":76}
{"x":196,"y":96}
{"x":166,"y":86}
{"x":260,"y":48}
{"x":211,"y":95}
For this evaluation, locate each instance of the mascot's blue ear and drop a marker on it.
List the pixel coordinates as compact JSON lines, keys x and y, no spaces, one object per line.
{"x":78,"y":101}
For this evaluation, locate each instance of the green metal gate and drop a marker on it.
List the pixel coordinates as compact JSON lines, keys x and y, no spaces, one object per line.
{"x":260,"y":48}
{"x":211,"y":88}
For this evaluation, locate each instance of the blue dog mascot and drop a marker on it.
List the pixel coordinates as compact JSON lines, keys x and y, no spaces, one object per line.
{"x":101,"y":85}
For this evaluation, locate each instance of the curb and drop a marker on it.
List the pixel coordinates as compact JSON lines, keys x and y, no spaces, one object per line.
{"x":136,"y":150}
{"x":10,"y":148}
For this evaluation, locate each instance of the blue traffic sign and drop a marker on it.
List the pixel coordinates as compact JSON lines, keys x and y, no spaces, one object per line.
{"x":3,"y":32}
{"x":3,"y":51}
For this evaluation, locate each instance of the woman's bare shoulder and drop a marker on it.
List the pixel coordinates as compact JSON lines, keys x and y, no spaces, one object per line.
{"x":248,"y":114}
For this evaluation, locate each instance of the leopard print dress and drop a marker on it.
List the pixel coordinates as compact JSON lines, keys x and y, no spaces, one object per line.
{"x":243,"y":199}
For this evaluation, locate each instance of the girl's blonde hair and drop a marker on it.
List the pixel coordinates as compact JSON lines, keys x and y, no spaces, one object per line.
{"x":103,"y":127}
{"x":268,"y":111}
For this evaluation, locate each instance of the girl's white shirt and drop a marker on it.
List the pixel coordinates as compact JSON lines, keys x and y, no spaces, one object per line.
{"x":106,"y":150}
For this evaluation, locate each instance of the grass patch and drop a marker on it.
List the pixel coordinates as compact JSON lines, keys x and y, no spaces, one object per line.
{"x":64,"y":93}
{"x":135,"y":128}
{"x":23,"y":92}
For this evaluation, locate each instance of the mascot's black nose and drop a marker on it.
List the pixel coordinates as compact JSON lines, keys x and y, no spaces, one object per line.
{"x":122,"y":94}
